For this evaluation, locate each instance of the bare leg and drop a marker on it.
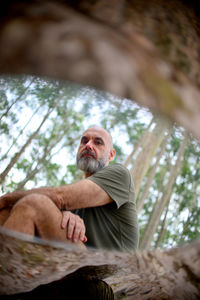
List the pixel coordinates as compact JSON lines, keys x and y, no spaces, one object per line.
{"x":36,"y":212}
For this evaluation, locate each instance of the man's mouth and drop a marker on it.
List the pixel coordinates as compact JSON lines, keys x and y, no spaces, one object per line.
{"x":87,"y":153}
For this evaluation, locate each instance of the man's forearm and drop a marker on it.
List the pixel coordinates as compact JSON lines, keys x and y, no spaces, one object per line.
{"x":78,"y":195}
{"x":82,"y":194}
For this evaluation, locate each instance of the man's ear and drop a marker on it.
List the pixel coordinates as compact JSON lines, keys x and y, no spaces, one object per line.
{"x":112,"y":154}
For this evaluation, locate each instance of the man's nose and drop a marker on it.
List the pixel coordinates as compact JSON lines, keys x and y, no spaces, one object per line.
{"x":88,"y":145}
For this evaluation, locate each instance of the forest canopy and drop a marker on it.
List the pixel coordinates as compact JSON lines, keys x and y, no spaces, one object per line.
{"x":41,"y":121}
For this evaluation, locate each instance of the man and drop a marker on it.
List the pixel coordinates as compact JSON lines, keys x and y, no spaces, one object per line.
{"x":102,"y":204}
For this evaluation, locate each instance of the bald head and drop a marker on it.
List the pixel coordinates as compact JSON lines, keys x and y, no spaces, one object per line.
{"x":95,"y":150}
{"x":104,"y":131}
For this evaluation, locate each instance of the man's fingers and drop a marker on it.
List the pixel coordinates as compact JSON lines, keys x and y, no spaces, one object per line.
{"x":70,"y":227}
{"x":65,"y":219}
{"x":75,"y":227}
{"x":79,"y":230}
{"x":82,"y":231}
{"x":84,"y":239}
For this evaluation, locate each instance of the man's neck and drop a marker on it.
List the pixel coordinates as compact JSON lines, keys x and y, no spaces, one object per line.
{"x":87,"y":175}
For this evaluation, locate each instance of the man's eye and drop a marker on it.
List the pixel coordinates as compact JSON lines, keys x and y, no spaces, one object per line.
{"x":98,"y":142}
{"x":84,"y":141}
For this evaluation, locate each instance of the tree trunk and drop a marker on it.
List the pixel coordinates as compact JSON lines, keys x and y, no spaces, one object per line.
{"x":21,"y":131}
{"x":16,"y":100}
{"x":158,"y":208}
{"x":172,"y":274}
{"x":32,"y":136}
{"x":144,"y":158}
{"x":140,"y":143}
{"x":19,"y":153}
{"x":40,"y":163}
{"x":162,"y":229}
{"x":140,"y":201}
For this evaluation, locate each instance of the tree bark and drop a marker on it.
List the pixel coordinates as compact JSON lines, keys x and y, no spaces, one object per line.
{"x":172,"y":274}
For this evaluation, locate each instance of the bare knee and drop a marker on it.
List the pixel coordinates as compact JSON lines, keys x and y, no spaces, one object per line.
{"x":35,"y":201}
{"x":35,"y":206}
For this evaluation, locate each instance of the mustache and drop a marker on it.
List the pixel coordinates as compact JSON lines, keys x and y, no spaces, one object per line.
{"x":88,"y":152}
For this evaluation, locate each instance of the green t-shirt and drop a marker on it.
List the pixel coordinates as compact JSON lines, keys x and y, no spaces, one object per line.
{"x":113,"y":226}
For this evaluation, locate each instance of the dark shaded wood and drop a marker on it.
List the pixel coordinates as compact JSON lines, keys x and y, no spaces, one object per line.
{"x":68,"y":288}
{"x":148,"y":51}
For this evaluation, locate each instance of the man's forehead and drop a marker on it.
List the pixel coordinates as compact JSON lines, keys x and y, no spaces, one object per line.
{"x":96,"y":132}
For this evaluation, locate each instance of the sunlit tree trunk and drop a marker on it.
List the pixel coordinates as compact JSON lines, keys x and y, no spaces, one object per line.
{"x":159,"y":206}
{"x":150,"y":178}
{"x":144,"y":158}
{"x":140,"y":143}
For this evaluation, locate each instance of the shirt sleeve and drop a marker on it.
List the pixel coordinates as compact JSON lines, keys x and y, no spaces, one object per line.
{"x":116,"y":181}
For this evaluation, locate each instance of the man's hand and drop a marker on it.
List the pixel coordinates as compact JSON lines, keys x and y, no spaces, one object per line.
{"x":74,"y":226}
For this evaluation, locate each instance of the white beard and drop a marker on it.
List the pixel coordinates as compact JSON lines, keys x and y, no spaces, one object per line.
{"x":90,"y":165}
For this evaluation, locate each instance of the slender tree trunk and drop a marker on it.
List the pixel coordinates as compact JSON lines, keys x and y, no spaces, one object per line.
{"x":16,"y":100}
{"x":158,"y":207}
{"x":151,"y":175}
{"x":115,"y":120}
{"x":21,"y":131}
{"x":143,"y":139}
{"x":31,"y":174}
{"x":162,"y":229}
{"x":143,"y":160}
{"x":32,"y":136}
{"x":195,"y":184}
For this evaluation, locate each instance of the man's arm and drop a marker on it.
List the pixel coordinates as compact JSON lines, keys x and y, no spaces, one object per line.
{"x":81,"y":194}
{"x":9,"y":199}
